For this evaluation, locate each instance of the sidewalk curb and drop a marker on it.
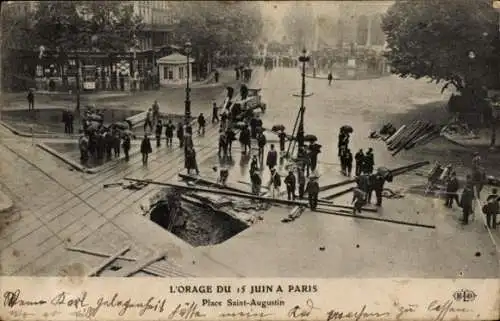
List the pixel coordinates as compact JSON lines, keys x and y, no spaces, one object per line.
{"x":40,"y":135}
{"x":6,"y":203}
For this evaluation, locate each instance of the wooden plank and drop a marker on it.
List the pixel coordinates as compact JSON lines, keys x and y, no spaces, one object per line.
{"x":223,"y":192}
{"x":418,"y":142}
{"x":391,"y":138}
{"x":128,"y":271}
{"x":423,"y":131}
{"x":404,"y":136}
{"x":95,"y":271}
{"x":401,"y":135}
{"x":375,"y":219}
{"x":212,"y":183}
{"x":96,"y":253}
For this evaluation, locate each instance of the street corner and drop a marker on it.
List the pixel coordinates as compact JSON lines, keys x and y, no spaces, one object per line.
{"x":6,"y":203}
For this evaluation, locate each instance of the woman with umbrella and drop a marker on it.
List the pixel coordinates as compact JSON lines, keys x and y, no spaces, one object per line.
{"x":343,"y":142}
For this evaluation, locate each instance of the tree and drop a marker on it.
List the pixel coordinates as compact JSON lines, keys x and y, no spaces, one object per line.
{"x":225,"y":27}
{"x":66,"y":27}
{"x":434,"y":39}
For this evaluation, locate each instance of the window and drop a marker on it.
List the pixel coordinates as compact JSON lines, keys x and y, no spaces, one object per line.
{"x":166,"y":73}
{"x":181,"y":72}
{"x":170,"y":74}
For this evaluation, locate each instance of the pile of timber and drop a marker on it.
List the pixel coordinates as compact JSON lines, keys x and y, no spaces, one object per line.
{"x":415,"y":134}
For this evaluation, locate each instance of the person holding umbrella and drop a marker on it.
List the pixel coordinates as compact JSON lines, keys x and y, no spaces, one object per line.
{"x":245,"y":139}
{"x":314,"y":150}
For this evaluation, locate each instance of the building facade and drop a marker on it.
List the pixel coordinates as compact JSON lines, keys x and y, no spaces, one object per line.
{"x":98,"y":70}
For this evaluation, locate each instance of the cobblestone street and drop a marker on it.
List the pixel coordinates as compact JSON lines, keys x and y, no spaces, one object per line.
{"x":56,"y":207}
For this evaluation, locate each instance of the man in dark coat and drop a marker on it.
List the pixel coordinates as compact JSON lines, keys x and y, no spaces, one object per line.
{"x":222,"y":145}
{"x":126,"y":146}
{"x":108,"y":142}
{"x":466,"y":203}
{"x":215,"y":113}
{"x":302,"y":182}
{"x":272,"y":158}
{"x":158,"y":130}
{"x":314,"y":150}
{"x":368,"y":162}
{"x":359,"y":157}
{"x":230,"y":136}
{"x":377,"y":182}
{"x":116,"y":143}
{"x":256,"y":182}
{"x":71,"y":120}
{"x":169,"y":132}
{"x":254,"y":164}
{"x":348,"y":162}
{"x":452,"y":187}
{"x":191,"y":161}
{"x":245,"y":140}
{"x":31,"y":100}
{"x":201,"y":124}
{"x":358,"y":200}
{"x":145,"y":149}
{"x":313,"y":192}
{"x":261,"y":142}
{"x":330,"y":78}
{"x":491,"y":209}
{"x":290,"y":183}
{"x":65,"y":121}
{"x":343,"y":141}
{"x":275,"y":183}
{"x":180,"y":134}
{"x":282,"y":138}
{"x":253,"y":127}
{"x":216,"y":76}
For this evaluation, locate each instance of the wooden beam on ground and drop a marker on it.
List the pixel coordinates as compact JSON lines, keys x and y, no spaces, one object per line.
{"x":213,"y":183}
{"x":223,"y":192}
{"x":375,"y":219}
{"x":131,"y":270}
{"x":108,"y":261}
{"x":338,"y":194}
{"x":353,"y":180}
{"x":92,"y":252}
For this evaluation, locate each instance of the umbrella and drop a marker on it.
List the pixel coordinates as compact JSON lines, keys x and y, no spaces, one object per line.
{"x":346,"y":129}
{"x":121,"y":125}
{"x":277,"y":128}
{"x":94,"y":117}
{"x":240,"y":124}
{"x":310,"y":138}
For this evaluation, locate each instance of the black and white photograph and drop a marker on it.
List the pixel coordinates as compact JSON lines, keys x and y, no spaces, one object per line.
{"x":250,"y":139}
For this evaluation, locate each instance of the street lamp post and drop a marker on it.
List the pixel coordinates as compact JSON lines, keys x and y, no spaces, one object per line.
{"x":187,"y":103}
{"x":300,"y":132}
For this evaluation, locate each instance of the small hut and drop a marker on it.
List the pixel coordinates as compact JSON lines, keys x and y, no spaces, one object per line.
{"x":173,"y":69}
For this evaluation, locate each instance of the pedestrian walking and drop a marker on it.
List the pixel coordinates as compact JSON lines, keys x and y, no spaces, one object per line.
{"x":201,"y":125}
{"x":215,"y":113}
{"x":358,"y":200}
{"x":83,"y":145}
{"x":478,"y":180}
{"x":169,"y":132}
{"x":491,"y":209}
{"x":245,"y":140}
{"x":145,"y":149}
{"x":216,"y":76}
{"x":126,"y":146}
{"x":253,"y":127}
{"x":65,"y":120}
{"x":31,"y":100}
{"x":359,"y":158}
{"x":272,"y":158}
{"x":476,"y":161}
{"x":452,"y":187}
{"x":368,"y":162}
{"x":261,"y":142}
{"x":158,"y":131}
{"x":148,"y":121}
{"x":466,"y":204}
{"x":180,"y":134}
{"x":108,"y":142}
{"x":343,"y":141}
{"x":223,"y":120}
{"x":312,"y":190}
{"x":330,"y":78}
{"x":275,"y":183}
{"x":290,"y":182}
{"x":230,"y":137}
{"x":314,"y":150}
{"x":222,"y":145}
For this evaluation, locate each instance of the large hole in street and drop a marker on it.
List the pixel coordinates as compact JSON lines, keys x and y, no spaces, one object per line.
{"x":199,"y":225}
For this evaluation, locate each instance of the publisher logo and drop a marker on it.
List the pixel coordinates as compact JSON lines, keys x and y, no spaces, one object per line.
{"x":464,"y":295}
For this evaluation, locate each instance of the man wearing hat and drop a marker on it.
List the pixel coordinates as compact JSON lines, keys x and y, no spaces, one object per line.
{"x":275,"y":183}
{"x":312,"y":189}
{"x":290,"y":183}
